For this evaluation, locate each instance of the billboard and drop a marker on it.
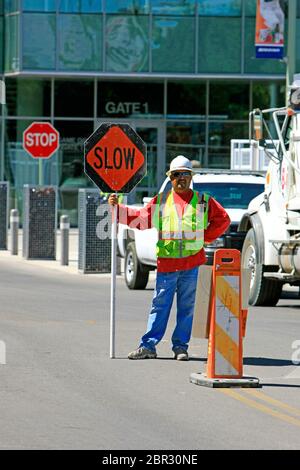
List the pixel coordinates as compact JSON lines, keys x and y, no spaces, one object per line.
{"x":269,"y":34}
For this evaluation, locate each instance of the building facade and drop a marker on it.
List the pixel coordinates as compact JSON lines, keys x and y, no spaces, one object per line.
{"x":182,"y":72}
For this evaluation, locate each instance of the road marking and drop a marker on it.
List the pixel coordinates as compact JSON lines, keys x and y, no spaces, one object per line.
{"x":273,"y":401}
{"x":260,"y":407}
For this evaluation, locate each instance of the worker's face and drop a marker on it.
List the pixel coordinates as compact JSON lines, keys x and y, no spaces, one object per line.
{"x":181,"y":180}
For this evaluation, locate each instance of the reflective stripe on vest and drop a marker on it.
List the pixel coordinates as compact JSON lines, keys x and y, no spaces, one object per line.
{"x":179,"y":237}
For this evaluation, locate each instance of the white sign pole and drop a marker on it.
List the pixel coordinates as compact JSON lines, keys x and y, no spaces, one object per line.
{"x":113,"y":281}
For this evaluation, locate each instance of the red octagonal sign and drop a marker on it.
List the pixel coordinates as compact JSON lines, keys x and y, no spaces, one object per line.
{"x":41,"y":140}
{"x":115,"y":158}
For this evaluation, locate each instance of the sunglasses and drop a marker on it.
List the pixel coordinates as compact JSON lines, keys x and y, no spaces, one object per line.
{"x":178,"y":174}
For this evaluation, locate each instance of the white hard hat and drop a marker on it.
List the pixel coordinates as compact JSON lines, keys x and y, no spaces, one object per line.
{"x":180,"y":163}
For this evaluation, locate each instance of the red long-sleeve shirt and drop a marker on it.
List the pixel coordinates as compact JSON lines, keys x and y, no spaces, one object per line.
{"x":218,"y":222}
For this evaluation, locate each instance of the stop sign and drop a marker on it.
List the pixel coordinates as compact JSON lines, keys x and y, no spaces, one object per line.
{"x":41,"y":140}
{"x":115,"y":158}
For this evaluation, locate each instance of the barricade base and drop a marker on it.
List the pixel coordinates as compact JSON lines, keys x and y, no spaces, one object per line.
{"x":244,"y":382}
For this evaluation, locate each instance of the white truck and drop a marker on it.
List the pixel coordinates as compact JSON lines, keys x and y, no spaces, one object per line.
{"x":272,"y":222}
{"x":233,"y":189}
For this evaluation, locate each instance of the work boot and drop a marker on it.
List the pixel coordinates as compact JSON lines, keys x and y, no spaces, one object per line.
{"x":180,"y":354}
{"x":142,"y":353}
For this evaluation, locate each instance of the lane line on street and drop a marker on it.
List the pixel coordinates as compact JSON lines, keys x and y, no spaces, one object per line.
{"x":273,"y":401}
{"x":258,"y":406}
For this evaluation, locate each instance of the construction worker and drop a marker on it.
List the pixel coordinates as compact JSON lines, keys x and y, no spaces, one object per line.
{"x":181,"y":216}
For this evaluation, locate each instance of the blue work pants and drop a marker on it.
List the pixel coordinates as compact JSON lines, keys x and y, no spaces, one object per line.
{"x":184,"y":284}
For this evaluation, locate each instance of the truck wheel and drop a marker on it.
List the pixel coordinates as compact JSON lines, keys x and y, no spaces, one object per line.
{"x":263,"y":291}
{"x":135,"y":276}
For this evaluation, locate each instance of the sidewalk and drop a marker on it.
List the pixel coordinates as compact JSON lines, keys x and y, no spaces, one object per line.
{"x":72,"y":268}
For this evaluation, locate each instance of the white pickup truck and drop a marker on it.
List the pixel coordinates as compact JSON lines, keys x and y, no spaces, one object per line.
{"x":232,"y":189}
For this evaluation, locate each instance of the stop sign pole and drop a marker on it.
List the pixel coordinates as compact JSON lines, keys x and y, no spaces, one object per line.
{"x":115,"y":159}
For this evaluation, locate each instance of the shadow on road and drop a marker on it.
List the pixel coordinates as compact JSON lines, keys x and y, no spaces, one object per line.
{"x":248,"y":361}
{"x":162,"y":358}
{"x":266,"y":361}
{"x":280,"y":385}
{"x":191,"y":359}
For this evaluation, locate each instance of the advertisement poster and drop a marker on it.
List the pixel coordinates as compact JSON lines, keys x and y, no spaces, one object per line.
{"x":269,"y":34}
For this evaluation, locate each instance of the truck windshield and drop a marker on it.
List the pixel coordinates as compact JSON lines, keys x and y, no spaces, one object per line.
{"x":231,"y":195}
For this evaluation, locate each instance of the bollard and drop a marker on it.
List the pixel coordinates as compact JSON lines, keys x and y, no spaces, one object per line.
{"x":64,"y":231}
{"x":14,"y":229}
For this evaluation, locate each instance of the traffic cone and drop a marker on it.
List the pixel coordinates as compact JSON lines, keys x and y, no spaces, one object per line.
{"x":227,"y":326}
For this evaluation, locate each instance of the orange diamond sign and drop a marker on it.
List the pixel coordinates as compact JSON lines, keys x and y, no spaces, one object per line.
{"x":115,"y":158}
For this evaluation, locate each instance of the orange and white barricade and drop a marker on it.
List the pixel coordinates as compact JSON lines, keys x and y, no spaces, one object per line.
{"x":223,"y":321}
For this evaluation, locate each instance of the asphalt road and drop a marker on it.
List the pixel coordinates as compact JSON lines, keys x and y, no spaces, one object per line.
{"x":60,"y":390}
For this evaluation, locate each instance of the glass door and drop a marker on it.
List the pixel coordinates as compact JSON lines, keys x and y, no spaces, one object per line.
{"x":153,"y":134}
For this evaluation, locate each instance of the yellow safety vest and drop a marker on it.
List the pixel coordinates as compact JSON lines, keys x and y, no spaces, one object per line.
{"x":179,"y":237}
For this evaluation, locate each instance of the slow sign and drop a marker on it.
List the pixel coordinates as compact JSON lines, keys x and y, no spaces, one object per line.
{"x":115,"y":158}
